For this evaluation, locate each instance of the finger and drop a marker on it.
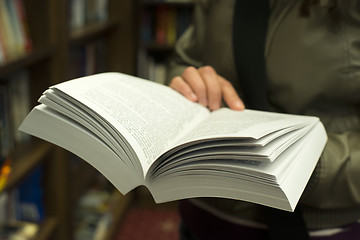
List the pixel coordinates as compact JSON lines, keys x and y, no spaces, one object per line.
{"x":213,"y":89}
{"x":230,"y":95}
{"x":193,"y":79}
{"x":178,"y":84}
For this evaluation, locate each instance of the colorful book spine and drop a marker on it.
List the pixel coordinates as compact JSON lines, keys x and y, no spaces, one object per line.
{"x":21,"y":13}
{"x":87,"y":12}
{"x":9,"y":41}
{"x":18,"y":38}
{"x":161,"y":22}
{"x":2,"y":50}
{"x":171,"y":34}
{"x":14,"y":35}
{"x":146,"y":31}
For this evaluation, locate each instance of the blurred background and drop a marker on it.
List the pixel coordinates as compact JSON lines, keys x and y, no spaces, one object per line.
{"x":47,"y":192}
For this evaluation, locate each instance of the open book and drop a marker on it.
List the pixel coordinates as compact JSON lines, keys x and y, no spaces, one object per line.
{"x":137,"y":132}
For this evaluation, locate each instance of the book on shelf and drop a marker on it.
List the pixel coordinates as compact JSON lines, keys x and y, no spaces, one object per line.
{"x":23,"y":25}
{"x":95,"y":210}
{"x":5,"y":127}
{"x":2,"y":48}
{"x":137,"y":132}
{"x":6,"y":30}
{"x":150,"y":68}
{"x":87,"y":59}
{"x":87,"y":12}
{"x":19,"y":230}
{"x":14,"y":18}
{"x":19,"y":103}
{"x":14,"y":106}
{"x":15,"y":39}
{"x":163,"y":24}
{"x":23,"y":203}
{"x":10,"y":226}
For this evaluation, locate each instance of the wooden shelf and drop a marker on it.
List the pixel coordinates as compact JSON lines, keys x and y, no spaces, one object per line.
{"x":153,"y":47}
{"x":91,"y":32}
{"x":47,"y":228}
{"x":25,"y":159}
{"x":168,"y":3}
{"x":26,"y":61}
{"x":49,"y":63}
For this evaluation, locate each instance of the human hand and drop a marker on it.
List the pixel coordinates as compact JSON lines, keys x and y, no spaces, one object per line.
{"x":205,"y":86}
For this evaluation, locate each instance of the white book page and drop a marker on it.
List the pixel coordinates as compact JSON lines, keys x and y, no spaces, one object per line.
{"x":149,"y":115}
{"x":250,"y":124}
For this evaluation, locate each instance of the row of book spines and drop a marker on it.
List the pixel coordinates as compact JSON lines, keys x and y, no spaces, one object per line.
{"x":15,"y":40}
{"x":164,"y":25}
{"x":150,"y":68}
{"x":88,"y":59}
{"x":24,"y":203}
{"x":87,"y":12}
{"x":96,"y":208}
{"x":14,"y":106}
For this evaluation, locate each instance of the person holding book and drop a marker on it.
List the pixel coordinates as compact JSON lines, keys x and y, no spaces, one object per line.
{"x":311,"y":67}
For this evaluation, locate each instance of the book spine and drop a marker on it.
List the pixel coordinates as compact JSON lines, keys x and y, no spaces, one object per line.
{"x":18,"y":38}
{"x":14,"y":106}
{"x":77,"y":9}
{"x":19,"y":103}
{"x":2,"y":40}
{"x":14,"y":35}
{"x":171,"y":35}
{"x":90,"y":12}
{"x":2,"y":49}
{"x":24,"y":29}
{"x":8,"y":38}
{"x":161,"y":22}
{"x":30,"y":198}
{"x":102,"y":8}
{"x":88,"y":59}
{"x":87,"y":12}
{"x":146,"y":34}
{"x":5,"y":133}
{"x":90,"y":66}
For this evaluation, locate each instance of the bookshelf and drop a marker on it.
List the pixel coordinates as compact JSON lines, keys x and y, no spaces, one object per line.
{"x":160,"y":24}
{"x":104,"y":38}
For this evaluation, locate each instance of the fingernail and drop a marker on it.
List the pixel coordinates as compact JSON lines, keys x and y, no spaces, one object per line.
{"x":215,"y":106}
{"x":204,"y":102}
{"x":193,"y":96}
{"x":239,"y":105}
